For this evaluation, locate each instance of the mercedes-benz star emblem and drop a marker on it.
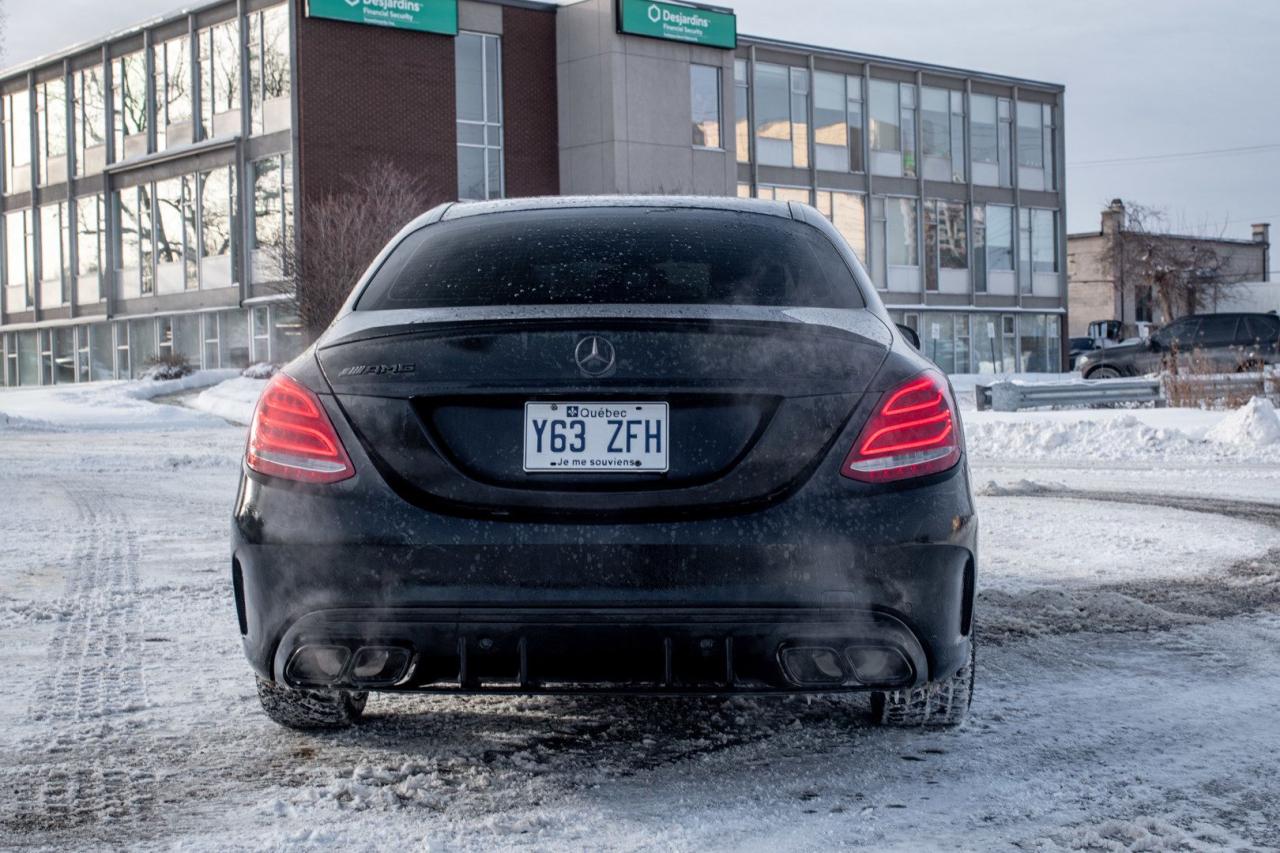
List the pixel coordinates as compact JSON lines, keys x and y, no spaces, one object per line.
{"x":595,"y":356}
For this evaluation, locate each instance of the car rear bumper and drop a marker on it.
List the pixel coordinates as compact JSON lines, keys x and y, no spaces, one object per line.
{"x":607,"y":617}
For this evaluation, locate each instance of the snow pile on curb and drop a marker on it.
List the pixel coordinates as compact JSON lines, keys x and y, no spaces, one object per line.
{"x":1255,"y":424}
{"x":232,"y":400}
{"x":106,"y":405}
{"x":1113,"y":438}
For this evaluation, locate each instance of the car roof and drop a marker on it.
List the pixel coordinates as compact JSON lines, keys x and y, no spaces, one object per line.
{"x":1226,"y":314}
{"x":461,"y":210}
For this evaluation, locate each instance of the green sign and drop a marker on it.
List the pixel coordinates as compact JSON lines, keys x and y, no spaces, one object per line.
{"x":428,"y":16}
{"x":674,"y":22}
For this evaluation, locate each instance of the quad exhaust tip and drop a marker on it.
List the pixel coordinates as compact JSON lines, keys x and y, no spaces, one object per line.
{"x":332,"y":665}
{"x":824,"y":666}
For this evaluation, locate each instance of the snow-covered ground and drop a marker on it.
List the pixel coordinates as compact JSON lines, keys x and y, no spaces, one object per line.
{"x":1129,"y":672}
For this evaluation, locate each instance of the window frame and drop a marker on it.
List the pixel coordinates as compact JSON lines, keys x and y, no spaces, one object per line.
{"x":718,"y":72}
{"x":485,"y":124}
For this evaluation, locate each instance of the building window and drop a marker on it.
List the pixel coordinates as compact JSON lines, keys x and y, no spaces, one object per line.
{"x":782,"y":110}
{"x":478,"y":78}
{"x":885,"y":133}
{"x":1037,"y":245}
{"x":837,"y":122}
{"x":901,"y":219}
{"x":742,"y":120}
{"x":217,"y":191}
{"x":945,"y":240}
{"x":172,"y":62}
{"x":135,"y":257}
{"x":1036,"y":145}
{"x":704,"y":94}
{"x":90,"y":224}
{"x":233,"y":339}
{"x":830,"y":122}
{"x":180,"y":338}
{"x":260,"y":327}
{"x":269,"y":102}
{"x":142,"y":346}
{"x":991,"y":139}
{"x":942,"y":134}
{"x":175,"y":235}
{"x":51,"y":131}
{"x":17,"y":141}
{"x":89,"y":120}
{"x":101,"y":352}
{"x":211,"y":354}
{"x":219,"y":49}
{"x":853,"y":92}
{"x":55,"y":254}
{"x":848,"y":213}
{"x":893,"y":128}
{"x":992,"y":243}
{"x":272,"y":215}
{"x":129,"y":100}
{"x":20,"y":264}
{"x":1044,"y":241}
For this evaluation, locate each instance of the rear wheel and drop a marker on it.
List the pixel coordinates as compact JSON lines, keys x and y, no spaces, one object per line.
{"x":938,"y":703}
{"x":309,"y":710}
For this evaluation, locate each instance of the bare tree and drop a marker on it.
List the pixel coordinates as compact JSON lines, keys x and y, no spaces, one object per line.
{"x":341,"y":235}
{"x":1184,"y":273}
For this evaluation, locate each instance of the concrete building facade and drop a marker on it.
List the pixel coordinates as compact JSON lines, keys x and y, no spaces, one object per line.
{"x":1100,"y":288}
{"x":148,"y":176}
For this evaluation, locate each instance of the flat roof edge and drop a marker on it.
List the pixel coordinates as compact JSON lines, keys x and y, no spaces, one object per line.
{"x":746,"y":40}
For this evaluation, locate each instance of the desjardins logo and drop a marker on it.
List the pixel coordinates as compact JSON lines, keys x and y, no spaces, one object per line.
{"x":658,"y":14}
{"x":390,"y":5}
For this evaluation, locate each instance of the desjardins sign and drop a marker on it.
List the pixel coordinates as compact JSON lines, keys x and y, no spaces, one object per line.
{"x":674,"y":22}
{"x":428,"y":16}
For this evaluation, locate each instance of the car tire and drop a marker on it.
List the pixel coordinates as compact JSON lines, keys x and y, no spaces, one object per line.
{"x":311,"y":710}
{"x":1103,"y":372}
{"x":942,"y":703}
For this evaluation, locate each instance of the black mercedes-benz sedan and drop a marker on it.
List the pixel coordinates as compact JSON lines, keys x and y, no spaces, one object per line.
{"x":642,"y":445}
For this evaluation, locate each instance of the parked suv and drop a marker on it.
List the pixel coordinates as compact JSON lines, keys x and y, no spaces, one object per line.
{"x":1223,"y":343}
{"x":660,"y":446}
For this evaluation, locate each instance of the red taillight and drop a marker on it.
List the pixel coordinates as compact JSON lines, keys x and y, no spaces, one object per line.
{"x":913,"y":432}
{"x":292,"y":437}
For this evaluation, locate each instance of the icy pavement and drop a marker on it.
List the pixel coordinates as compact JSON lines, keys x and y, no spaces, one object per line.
{"x":1127,"y":696}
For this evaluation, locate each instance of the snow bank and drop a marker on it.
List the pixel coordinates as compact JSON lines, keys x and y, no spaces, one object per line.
{"x":232,"y":400}
{"x":1253,"y":425}
{"x":106,"y":405}
{"x":1251,"y":433}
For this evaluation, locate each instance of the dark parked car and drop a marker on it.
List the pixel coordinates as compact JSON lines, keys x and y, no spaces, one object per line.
{"x":1224,"y":343}
{"x":629,"y":445}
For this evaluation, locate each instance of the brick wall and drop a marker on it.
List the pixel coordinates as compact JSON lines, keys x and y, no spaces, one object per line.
{"x":372,"y":93}
{"x":531,"y":133}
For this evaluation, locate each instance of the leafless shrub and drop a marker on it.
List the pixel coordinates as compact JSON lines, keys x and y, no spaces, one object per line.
{"x":173,"y":365}
{"x":340,"y":235}
{"x":1195,"y":382}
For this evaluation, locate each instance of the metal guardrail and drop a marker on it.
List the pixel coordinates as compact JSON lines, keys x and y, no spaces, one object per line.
{"x":1011,"y":396}
{"x":1014,"y":395}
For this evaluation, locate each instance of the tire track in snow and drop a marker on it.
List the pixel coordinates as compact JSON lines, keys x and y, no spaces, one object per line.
{"x":1247,"y":586}
{"x":95,"y":675}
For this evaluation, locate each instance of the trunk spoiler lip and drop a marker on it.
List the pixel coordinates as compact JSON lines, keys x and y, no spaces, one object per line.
{"x":367,"y":325}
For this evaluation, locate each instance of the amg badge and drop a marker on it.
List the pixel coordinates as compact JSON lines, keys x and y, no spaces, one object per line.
{"x":376,"y":369}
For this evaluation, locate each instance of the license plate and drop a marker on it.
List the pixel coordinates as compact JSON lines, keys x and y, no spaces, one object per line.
{"x":595,"y":437}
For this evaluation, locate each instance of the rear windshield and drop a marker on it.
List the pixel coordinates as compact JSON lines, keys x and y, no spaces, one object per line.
{"x":614,"y":255}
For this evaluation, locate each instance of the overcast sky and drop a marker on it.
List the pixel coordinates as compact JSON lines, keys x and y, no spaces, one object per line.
{"x":1144,"y":78}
